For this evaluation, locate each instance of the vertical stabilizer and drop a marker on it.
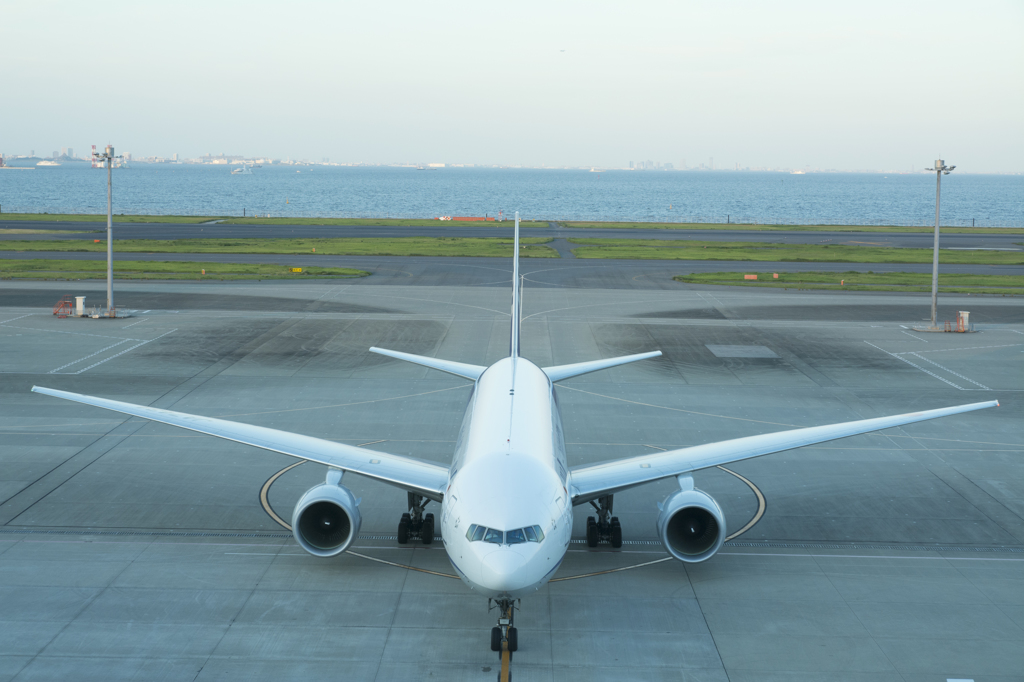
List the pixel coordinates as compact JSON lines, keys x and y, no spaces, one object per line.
{"x":517,"y":303}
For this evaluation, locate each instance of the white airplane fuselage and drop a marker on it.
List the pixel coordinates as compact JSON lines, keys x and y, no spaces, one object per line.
{"x":509,"y":477}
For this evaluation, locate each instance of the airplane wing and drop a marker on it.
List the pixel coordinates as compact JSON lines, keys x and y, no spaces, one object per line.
{"x":406,"y":473}
{"x":591,"y":482}
{"x":459,"y":369}
{"x":568,"y":371}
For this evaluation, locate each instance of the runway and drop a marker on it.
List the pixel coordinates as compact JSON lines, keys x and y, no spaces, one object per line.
{"x":132,"y":550}
{"x":540,"y":273}
{"x":125,"y":230}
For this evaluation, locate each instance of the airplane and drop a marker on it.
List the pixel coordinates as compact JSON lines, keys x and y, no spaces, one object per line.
{"x":507,"y":498}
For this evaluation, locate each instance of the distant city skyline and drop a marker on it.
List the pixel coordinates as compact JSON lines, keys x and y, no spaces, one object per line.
{"x":875,"y":85}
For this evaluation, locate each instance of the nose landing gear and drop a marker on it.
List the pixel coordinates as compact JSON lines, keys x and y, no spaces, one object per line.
{"x":416,"y":525}
{"x":605,"y":528}
{"x":504,"y":636}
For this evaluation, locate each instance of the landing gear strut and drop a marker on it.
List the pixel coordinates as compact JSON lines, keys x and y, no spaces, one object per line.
{"x":605,"y":528}
{"x":416,"y":525}
{"x":504,"y":636}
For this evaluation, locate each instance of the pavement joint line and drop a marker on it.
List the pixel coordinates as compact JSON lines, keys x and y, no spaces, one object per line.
{"x":932,"y":374}
{"x":75,"y":362}
{"x":946,"y":369}
{"x":126,"y":350}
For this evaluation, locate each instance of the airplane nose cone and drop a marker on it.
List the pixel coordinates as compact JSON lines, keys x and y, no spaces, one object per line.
{"x":501,"y":570}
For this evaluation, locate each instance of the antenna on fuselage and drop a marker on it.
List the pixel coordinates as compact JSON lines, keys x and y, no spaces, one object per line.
{"x":517,"y":303}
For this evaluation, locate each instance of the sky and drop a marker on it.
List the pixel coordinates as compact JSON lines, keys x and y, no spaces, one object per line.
{"x":866,"y":85}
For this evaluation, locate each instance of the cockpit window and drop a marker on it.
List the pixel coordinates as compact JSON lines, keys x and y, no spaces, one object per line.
{"x":515,"y":537}
{"x":512,"y":537}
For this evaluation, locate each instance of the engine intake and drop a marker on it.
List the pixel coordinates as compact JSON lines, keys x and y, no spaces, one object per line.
{"x":326,"y":520}
{"x":691,"y":526}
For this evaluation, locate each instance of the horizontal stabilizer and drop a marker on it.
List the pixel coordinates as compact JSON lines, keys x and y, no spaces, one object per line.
{"x":459,"y":369}
{"x":591,"y":482}
{"x":412,"y":475}
{"x":568,"y":371}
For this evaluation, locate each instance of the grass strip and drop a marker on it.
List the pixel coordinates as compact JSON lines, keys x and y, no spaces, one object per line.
{"x":639,"y":249}
{"x":952,"y":283}
{"x":370,"y":246}
{"x":791,"y":228}
{"x":250,"y":220}
{"x":126,"y":269}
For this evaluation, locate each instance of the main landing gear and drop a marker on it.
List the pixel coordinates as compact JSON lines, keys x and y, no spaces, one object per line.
{"x":416,"y":525}
{"x":605,"y":528}
{"x":504,"y":636}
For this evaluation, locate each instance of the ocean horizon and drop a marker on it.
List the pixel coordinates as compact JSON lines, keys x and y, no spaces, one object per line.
{"x":743,"y":197}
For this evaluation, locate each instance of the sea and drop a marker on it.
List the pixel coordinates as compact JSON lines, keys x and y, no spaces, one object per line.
{"x":745,"y":197}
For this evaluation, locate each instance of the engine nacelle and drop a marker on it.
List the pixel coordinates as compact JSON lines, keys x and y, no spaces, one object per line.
{"x":691,"y":526}
{"x":326,"y":520}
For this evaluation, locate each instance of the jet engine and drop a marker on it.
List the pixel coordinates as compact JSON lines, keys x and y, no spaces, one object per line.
{"x":326,"y":519}
{"x":691,"y":526}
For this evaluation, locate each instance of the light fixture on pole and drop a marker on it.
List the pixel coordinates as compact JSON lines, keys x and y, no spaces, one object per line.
{"x":107,"y":156}
{"x":940,"y":169}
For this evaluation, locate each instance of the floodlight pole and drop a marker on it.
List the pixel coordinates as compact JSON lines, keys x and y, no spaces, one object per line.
{"x":110,"y":231}
{"x":108,"y":157}
{"x":940,"y":169}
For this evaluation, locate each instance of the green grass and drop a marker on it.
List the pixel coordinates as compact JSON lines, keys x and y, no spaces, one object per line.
{"x":870,"y":281}
{"x":249,"y":220}
{"x":383,"y":222}
{"x":793,"y":228}
{"x":399,"y":246}
{"x":76,"y":269}
{"x":639,"y":249}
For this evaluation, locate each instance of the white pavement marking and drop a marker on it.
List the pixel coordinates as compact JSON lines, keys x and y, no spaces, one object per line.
{"x":75,"y":362}
{"x":932,"y":374}
{"x":123,"y":352}
{"x":946,"y":369}
{"x":16,"y":318}
{"x":134,"y":323}
{"x":913,"y":336}
{"x":946,"y":350}
{"x":58,"y":331}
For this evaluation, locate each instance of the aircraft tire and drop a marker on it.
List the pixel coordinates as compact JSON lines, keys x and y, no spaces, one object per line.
{"x":403,"y":529}
{"x":495,"y":639}
{"x":427,"y":531}
{"x":592,"y":534}
{"x":513,"y":639}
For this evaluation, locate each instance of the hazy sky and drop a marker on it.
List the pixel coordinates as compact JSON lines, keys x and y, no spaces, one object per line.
{"x":835,"y":85}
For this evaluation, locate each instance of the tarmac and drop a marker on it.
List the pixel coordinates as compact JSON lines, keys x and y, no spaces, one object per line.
{"x":132,"y":550}
{"x":126,"y":230}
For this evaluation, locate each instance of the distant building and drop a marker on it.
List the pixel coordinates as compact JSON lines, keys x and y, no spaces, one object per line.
{"x":631,"y":165}
{"x":669,"y":166}
{"x":71,"y":152}
{"x":174,"y":156}
{"x":55,"y":155}
{"x":435,"y":165}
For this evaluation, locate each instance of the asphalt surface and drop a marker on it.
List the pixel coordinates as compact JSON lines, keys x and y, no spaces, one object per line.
{"x":484,"y":272}
{"x":132,"y":550}
{"x":169,"y":231}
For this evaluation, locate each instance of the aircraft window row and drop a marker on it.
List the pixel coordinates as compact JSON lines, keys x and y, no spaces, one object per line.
{"x":512,"y":537}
